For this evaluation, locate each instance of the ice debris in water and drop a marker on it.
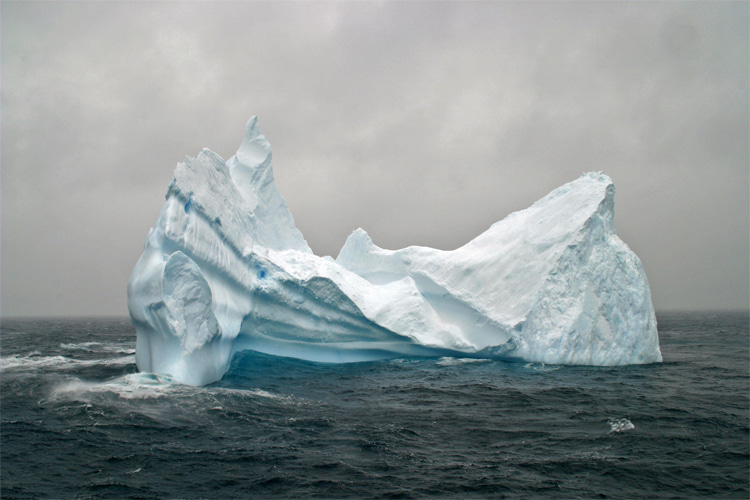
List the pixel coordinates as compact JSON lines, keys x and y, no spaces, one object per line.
{"x":620,"y":425}
{"x":225,"y":269}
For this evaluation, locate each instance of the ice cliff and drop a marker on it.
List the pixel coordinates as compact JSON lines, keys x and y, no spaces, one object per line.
{"x":225,"y":270}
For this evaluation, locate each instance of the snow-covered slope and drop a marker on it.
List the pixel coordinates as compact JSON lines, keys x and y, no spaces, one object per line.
{"x":225,"y":269}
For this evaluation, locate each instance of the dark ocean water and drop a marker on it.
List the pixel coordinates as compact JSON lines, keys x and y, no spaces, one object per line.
{"x":79,"y":421}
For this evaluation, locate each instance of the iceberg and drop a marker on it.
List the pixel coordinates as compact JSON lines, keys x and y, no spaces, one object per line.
{"x":226,"y":270}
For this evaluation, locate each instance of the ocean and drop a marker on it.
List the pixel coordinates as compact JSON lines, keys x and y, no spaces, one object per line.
{"x":79,"y":421}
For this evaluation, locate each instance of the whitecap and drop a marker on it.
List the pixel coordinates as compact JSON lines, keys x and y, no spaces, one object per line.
{"x":36,"y":362}
{"x":266,"y":394}
{"x":33,"y":362}
{"x":83,"y":346}
{"x":120,"y":361}
{"x":130,"y":386}
{"x":248,"y":392}
{"x":449,"y":361}
{"x":542,"y":367}
{"x":117,"y":348}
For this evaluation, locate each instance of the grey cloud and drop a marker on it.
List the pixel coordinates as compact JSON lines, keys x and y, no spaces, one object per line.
{"x":424,"y":123}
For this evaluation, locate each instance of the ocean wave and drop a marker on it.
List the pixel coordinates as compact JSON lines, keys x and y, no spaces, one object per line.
{"x":252,"y":392}
{"x":542,"y":367}
{"x":100,"y":347}
{"x":35,"y":362}
{"x":449,"y":361}
{"x":135,"y":386}
{"x":83,"y":346}
{"x":130,"y":386}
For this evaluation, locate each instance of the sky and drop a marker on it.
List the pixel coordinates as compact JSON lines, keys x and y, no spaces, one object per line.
{"x":421,"y":122}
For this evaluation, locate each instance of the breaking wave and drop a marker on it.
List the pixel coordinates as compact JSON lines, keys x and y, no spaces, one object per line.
{"x":32,"y":363}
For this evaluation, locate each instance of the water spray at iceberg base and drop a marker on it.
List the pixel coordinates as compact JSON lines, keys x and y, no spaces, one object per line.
{"x":226,"y":270}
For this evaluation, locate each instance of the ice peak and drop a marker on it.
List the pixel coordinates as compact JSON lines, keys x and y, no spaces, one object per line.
{"x":255,"y":150}
{"x":358,"y":243}
{"x":605,"y":193}
{"x":360,"y":237}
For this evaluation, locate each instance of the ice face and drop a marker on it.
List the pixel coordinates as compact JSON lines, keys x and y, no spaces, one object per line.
{"x":225,"y":269}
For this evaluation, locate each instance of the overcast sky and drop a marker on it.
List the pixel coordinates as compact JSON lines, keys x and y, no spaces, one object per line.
{"x":422,"y":122}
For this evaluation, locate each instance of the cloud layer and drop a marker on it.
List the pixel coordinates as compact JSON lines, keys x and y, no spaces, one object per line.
{"x":422,"y":122}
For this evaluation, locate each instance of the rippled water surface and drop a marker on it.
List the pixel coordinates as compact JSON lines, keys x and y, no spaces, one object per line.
{"x":79,"y":421}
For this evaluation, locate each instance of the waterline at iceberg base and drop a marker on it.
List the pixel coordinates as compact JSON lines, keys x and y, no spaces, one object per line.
{"x":226,"y":270}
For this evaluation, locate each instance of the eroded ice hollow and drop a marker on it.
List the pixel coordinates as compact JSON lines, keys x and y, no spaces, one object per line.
{"x":225,"y":270}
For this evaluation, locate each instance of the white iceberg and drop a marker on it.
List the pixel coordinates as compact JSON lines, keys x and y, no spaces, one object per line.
{"x":225,"y":270}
